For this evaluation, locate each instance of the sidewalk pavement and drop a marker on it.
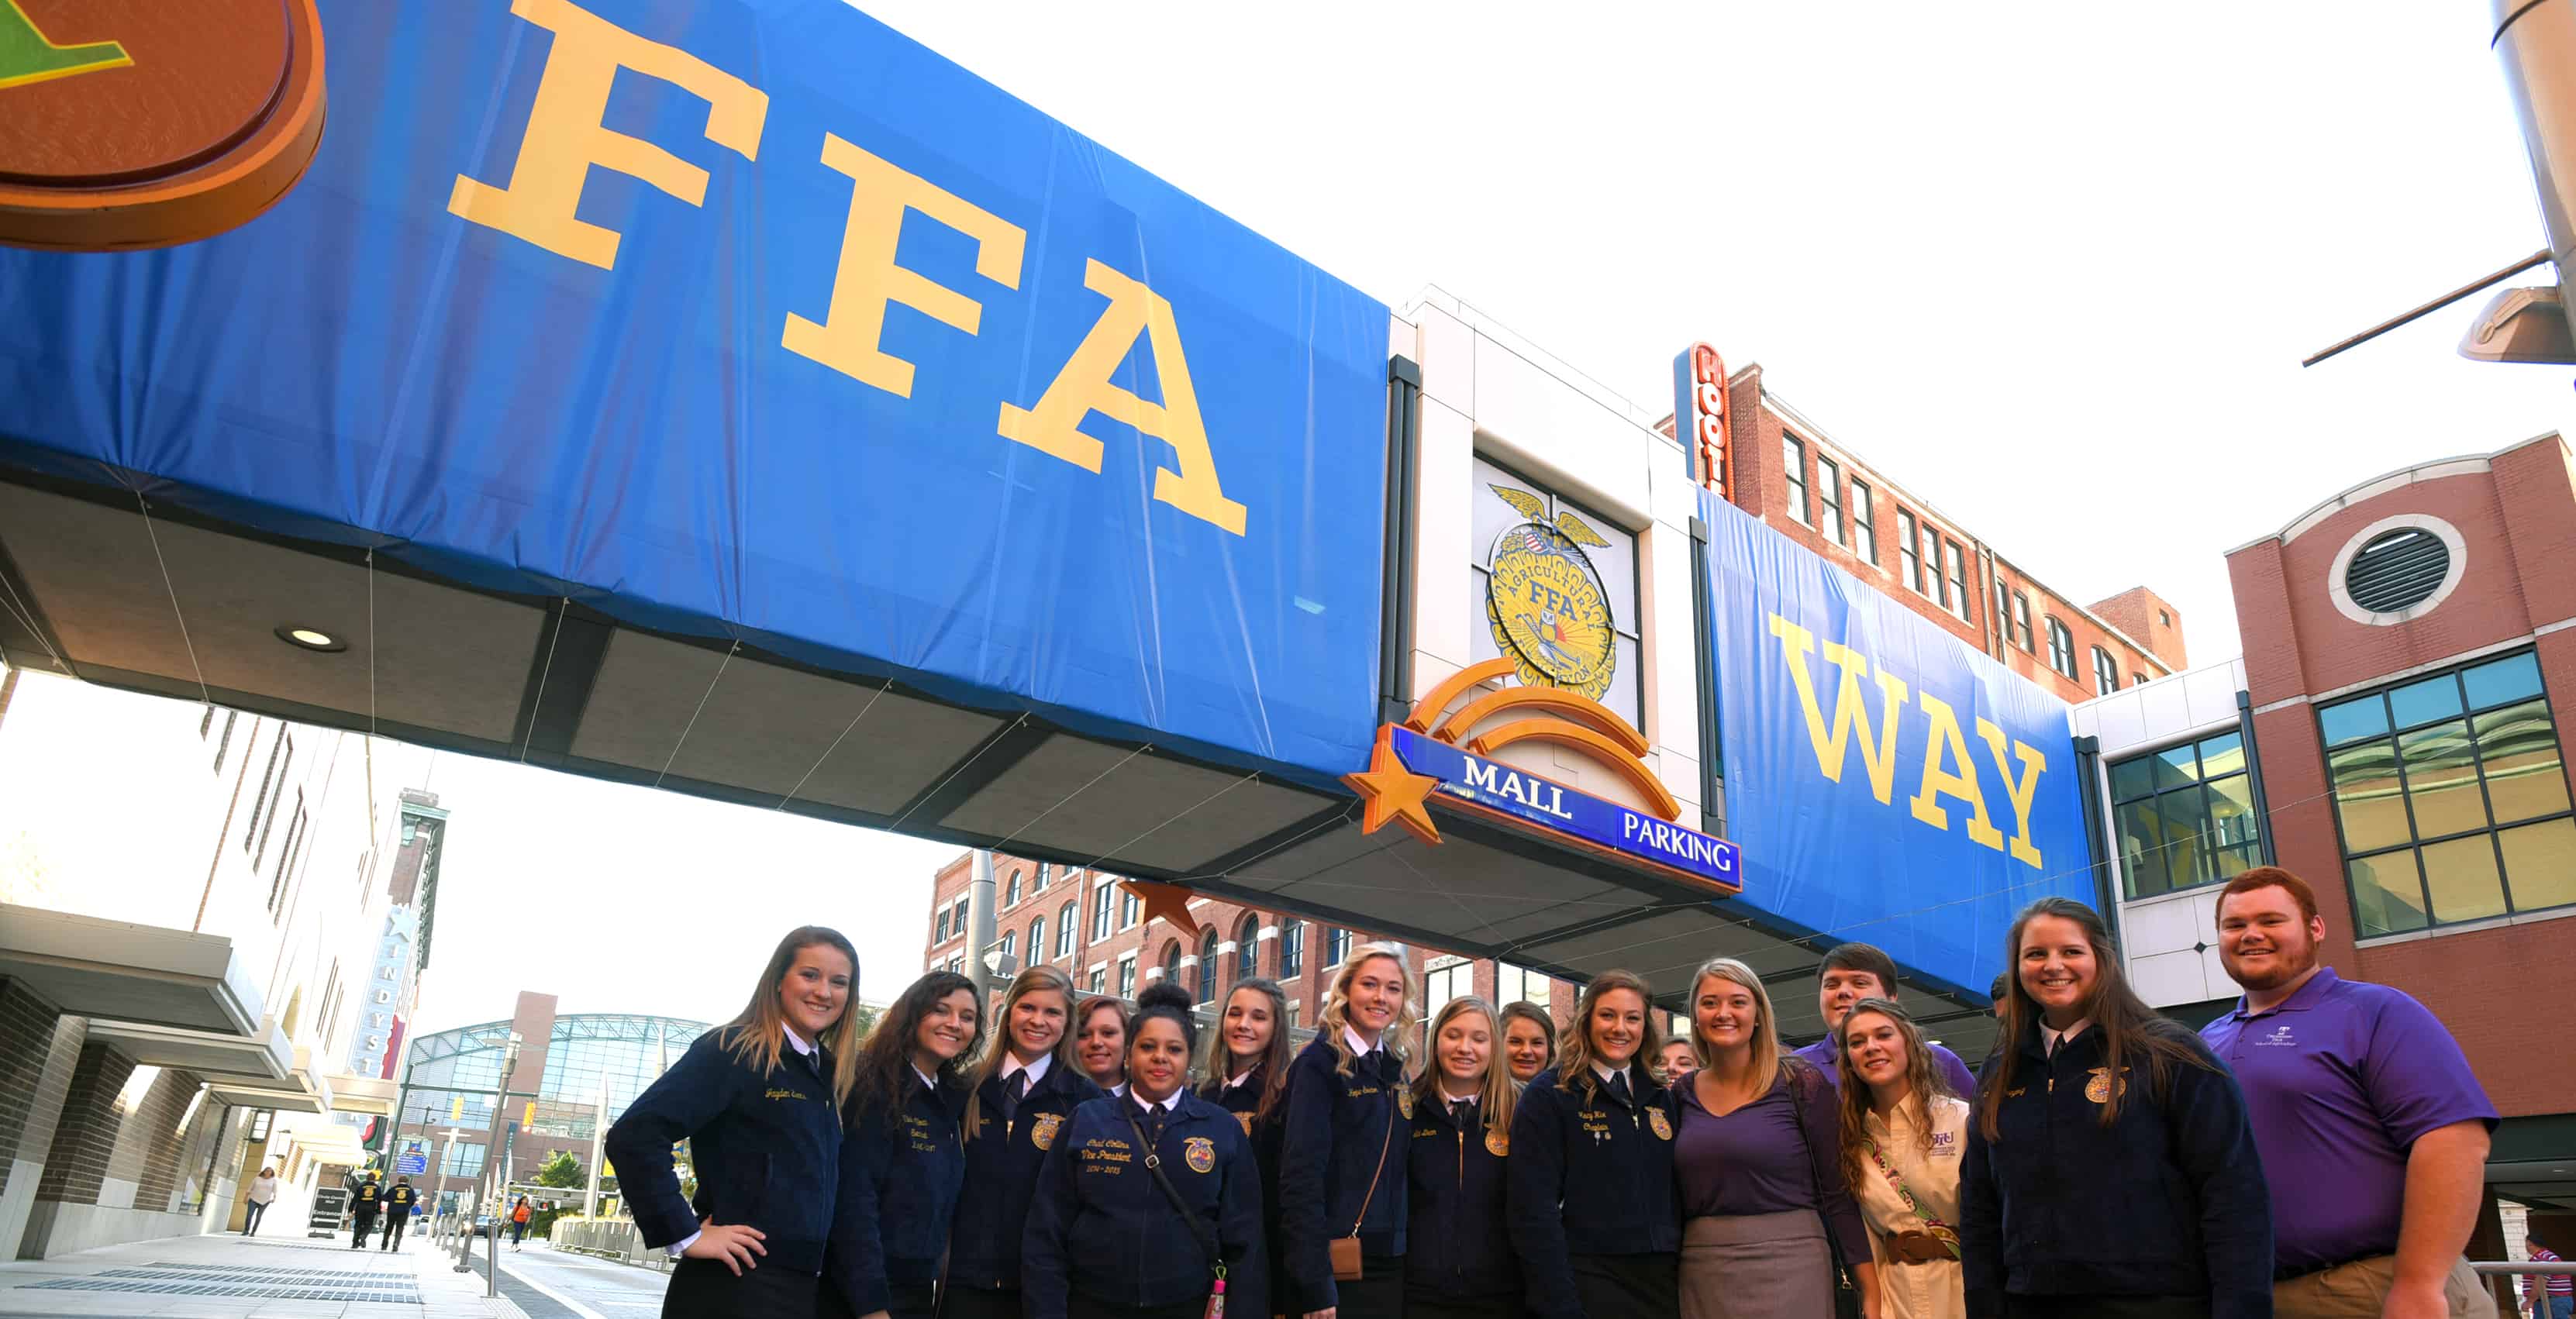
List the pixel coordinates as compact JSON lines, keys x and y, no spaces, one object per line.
{"x":230,"y":1276}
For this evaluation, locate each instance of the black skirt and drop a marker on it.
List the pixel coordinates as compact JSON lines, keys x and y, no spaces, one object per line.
{"x":1379,"y":1294}
{"x":1080,"y":1306}
{"x":1628,"y":1286}
{"x":1419,"y":1304}
{"x":706,"y":1289}
{"x":980,"y":1303}
{"x":2106,"y":1307}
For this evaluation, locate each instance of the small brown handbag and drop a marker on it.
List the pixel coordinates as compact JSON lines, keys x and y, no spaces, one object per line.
{"x":1346,"y":1250}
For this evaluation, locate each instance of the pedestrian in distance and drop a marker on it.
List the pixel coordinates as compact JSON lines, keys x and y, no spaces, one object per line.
{"x":1246,"y":1074}
{"x":1100,"y":1043}
{"x":758,"y":1099}
{"x":1589,"y":1184}
{"x":1149,"y":1204}
{"x":1903,"y":1134}
{"x":1529,"y":1040}
{"x":1342,"y":1162}
{"x":1458,"y":1259}
{"x":1768,"y":1226}
{"x":1024,"y":1090}
{"x":1675,"y":1059}
{"x":365,"y":1198}
{"x":2110,"y":1172}
{"x":1852,"y":972}
{"x":2559,"y":1289}
{"x":262,"y":1194}
{"x":519,"y":1215}
{"x":2374,"y":1131}
{"x":399,"y":1203}
{"x":903,"y":1153}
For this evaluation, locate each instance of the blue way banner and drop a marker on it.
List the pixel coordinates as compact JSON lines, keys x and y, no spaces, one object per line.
{"x":753,"y":318}
{"x":1887,"y":782}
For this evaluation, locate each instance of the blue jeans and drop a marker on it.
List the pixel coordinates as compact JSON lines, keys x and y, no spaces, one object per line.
{"x":2560,"y":1307}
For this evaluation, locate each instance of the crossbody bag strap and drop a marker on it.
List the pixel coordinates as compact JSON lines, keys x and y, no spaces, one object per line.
{"x":1154,"y":1165}
{"x":1371,"y":1194}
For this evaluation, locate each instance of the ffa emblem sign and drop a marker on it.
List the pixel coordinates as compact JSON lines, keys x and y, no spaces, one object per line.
{"x":1404,"y":1103}
{"x":1200,"y":1153}
{"x":1663,"y":1126}
{"x":2099,"y":1088}
{"x":1498,"y":1144}
{"x":1042,"y":1131}
{"x":141,"y":123}
{"x":1545,"y":604}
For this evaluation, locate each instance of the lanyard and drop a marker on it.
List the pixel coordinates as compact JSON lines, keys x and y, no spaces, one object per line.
{"x":1941,"y":1232}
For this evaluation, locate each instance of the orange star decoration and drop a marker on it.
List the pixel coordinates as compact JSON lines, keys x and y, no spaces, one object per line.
{"x":1169,"y":901}
{"x":1389,"y":791}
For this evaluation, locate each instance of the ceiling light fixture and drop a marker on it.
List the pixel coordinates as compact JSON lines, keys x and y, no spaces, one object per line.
{"x":308,"y":638}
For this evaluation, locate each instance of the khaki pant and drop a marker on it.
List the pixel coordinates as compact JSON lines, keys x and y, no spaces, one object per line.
{"x":2355,"y":1291}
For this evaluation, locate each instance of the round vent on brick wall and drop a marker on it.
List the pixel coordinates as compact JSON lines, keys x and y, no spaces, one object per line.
{"x":2397,"y":570}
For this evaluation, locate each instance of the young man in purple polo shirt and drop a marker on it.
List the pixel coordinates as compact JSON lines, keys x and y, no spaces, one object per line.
{"x":1852,"y":972}
{"x":2373,"y":1130}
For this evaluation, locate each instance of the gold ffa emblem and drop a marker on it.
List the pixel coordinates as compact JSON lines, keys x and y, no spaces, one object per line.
{"x":1200,"y":1153}
{"x":1663,"y":1126}
{"x":2099,"y":1088}
{"x":1246,"y":1119}
{"x":1042,"y":1129}
{"x":1404,"y":1103}
{"x":1497,"y":1144}
{"x":1544,"y":601}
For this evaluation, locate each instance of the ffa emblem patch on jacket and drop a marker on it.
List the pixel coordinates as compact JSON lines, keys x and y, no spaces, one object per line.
{"x":1498,"y":1144}
{"x":1200,"y":1153}
{"x":2099,"y":1088}
{"x":1043,"y":1128}
{"x":1404,"y":1103}
{"x":1663,"y":1126}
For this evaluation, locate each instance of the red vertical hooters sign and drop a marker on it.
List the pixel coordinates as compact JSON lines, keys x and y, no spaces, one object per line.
{"x":1699,"y":413}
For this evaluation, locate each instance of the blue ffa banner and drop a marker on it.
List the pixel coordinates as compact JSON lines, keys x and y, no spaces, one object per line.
{"x":755,"y":319}
{"x":1566,"y":814}
{"x":1888,"y":783}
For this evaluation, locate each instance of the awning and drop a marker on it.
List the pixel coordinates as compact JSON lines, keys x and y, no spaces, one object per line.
{"x":373,"y":1096}
{"x":261,"y":1057}
{"x":122,"y":971}
{"x":304,"y":1089}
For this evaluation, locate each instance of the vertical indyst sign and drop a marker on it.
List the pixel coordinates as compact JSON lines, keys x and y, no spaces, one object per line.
{"x":1887,"y":782}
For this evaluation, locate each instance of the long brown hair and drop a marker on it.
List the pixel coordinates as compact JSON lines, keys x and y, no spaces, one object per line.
{"x":1038,"y":979}
{"x":1497,"y":1094}
{"x":1336,"y":1016}
{"x":1574,"y":1053}
{"x":1766,"y":1032}
{"x":1082,"y":1019}
{"x":756,"y":1038}
{"x":1216,"y":1065}
{"x":2130,"y":1029}
{"x":885,"y":1062}
{"x":1923,"y":1082}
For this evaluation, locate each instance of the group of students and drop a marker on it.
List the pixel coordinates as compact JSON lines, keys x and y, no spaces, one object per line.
{"x":1096,"y":1161}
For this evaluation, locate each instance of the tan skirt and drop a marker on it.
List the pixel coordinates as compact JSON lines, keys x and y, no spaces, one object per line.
{"x":1757,"y":1266}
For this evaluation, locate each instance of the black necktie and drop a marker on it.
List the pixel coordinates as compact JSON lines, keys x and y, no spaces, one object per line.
{"x":1013,"y":1091}
{"x":1463,"y":1112}
{"x":1619,"y":1089}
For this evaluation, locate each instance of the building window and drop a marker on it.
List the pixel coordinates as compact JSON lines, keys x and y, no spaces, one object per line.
{"x":2185,"y":816}
{"x":1099,"y":913}
{"x":956,"y":963}
{"x":2163,"y":619}
{"x":1011,"y":891}
{"x":2106,"y":672}
{"x":1445,"y":979}
{"x":1955,"y":593}
{"x":1510,"y":515}
{"x":1247,"y":948}
{"x":1037,"y":940}
{"x":1066,"y":921}
{"x":2021,"y":620}
{"x":1172,"y":963}
{"x":940,"y":935}
{"x":1208,"y":967}
{"x":1010,"y":946}
{"x":1337,"y":945}
{"x":1829,"y":478}
{"x":1295,"y":1008}
{"x":1794,"y":455}
{"x":1292,"y":949}
{"x":1127,"y":976}
{"x":2451,"y":798}
{"x":1127,"y":906}
{"x":1864,"y":524}
{"x":1518,"y":984}
{"x":2137,"y":680}
{"x":1040,"y":885}
{"x":2061,"y":648}
{"x":1909,"y":555}
{"x":1099,"y":979}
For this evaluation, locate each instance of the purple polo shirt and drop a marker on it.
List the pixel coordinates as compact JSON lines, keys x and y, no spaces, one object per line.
{"x":1962,"y":1082}
{"x":2339,"y":1080}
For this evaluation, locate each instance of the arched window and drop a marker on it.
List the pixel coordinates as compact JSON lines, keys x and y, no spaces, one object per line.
{"x":1037,"y":940}
{"x":1337,"y":946}
{"x":1172,"y":962}
{"x":1011,"y":891}
{"x":1247,"y":948}
{"x":1066,"y":922}
{"x":1292,"y":949}
{"x":1207,"y":966}
{"x":2106,"y":672}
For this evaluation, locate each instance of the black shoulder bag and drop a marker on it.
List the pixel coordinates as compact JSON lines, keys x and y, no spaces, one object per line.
{"x":1846,"y":1294}
{"x":1206,"y":1239}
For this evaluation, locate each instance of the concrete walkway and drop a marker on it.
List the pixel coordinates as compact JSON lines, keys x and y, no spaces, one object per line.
{"x":231,"y":1276}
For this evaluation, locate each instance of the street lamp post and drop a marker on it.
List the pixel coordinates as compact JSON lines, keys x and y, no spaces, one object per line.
{"x":598,"y":1136}
{"x":491,"y":1170}
{"x":447,"y":1160}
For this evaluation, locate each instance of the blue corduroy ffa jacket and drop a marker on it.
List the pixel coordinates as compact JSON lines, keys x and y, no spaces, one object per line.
{"x":1003,"y":1159}
{"x":1340,"y":1130}
{"x":900,"y":1172}
{"x":1589,"y":1176}
{"x":2167,"y":1201}
{"x":766,"y":1148}
{"x":1099,"y":1224}
{"x":1458,"y":1231}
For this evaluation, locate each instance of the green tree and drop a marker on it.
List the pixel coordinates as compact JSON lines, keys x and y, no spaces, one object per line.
{"x":563,"y":1170}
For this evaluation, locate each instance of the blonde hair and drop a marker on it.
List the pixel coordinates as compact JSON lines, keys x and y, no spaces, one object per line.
{"x":1497,"y":1094}
{"x":1034,"y":980}
{"x":1766,"y":1027}
{"x":1336,"y":1017}
{"x":757,"y":1037}
{"x":1574,"y":1055}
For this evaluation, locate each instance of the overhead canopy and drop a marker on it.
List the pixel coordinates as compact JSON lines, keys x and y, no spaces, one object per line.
{"x":121,"y":971}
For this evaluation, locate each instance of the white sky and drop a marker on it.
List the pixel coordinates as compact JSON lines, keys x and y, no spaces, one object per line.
{"x":2052,"y":266}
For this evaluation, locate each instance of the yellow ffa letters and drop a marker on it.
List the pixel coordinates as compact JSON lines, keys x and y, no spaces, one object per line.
{"x":1948,"y":771}
{"x":783,"y":1094}
{"x":565,"y":139}
{"x":1104,"y":1155}
{"x":917,"y":1130}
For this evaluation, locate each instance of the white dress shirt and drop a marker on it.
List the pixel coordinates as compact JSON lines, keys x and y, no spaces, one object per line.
{"x":2050,"y":1038}
{"x":1012,"y":1066}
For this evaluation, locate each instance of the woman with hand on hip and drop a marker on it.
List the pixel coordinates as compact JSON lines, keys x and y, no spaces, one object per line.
{"x":1767,"y":1223}
{"x":1589,"y":1185}
{"x":1903,"y":1135}
{"x":1342,"y":1164}
{"x":1025,"y":1089}
{"x":903,"y":1158}
{"x":758,"y":1100}
{"x":1100,"y":1043}
{"x":1458,"y":1260}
